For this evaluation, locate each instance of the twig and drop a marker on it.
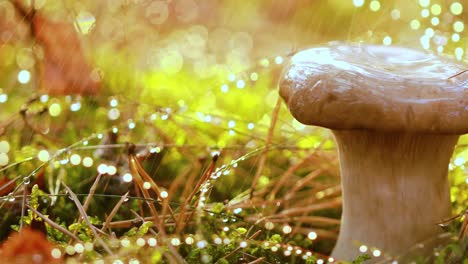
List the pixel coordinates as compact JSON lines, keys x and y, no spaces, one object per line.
{"x":86,"y":219}
{"x":261,"y":259}
{"x":239,"y":248}
{"x":88,"y":199}
{"x":314,"y":207}
{"x":263,"y":156}
{"x":148,"y":179}
{"x":458,"y":74}
{"x":313,"y":220}
{"x":464,"y":228}
{"x":23,"y":206}
{"x":52,"y":223}
{"x":300,"y":183}
{"x":92,"y":190}
{"x":139,"y":181}
{"x":285,"y":177}
{"x":203,"y":178}
{"x":114,"y":211}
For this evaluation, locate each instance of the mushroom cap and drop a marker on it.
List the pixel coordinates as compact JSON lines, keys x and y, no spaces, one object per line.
{"x":372,"y":87}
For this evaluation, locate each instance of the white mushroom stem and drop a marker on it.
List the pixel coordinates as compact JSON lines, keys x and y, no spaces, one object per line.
{"x":395,"y":189}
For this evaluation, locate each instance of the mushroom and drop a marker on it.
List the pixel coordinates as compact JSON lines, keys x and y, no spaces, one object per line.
{"x":396,"y":114}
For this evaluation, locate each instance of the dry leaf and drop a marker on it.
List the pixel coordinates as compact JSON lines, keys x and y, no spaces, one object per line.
{"x":28,"y":246}
{"x":64,"y":69}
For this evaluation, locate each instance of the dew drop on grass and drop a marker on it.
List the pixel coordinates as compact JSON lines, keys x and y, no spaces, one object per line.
{"x":11,"y":197}
{"x":27,"y":180}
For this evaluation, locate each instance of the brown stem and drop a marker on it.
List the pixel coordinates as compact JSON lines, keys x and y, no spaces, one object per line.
{"x":395,"y":189}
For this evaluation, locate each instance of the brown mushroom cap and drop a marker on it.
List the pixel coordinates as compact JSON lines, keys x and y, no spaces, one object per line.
{"x":383,"y":88}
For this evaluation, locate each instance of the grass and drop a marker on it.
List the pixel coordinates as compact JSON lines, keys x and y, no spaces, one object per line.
{"x":253,"y":203}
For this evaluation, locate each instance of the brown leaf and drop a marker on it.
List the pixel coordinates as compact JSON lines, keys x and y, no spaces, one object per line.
{"x":64,"y":69}
{"x":27,"y":246}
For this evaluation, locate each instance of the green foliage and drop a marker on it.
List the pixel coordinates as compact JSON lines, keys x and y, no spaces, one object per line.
{"x":361,"y":259}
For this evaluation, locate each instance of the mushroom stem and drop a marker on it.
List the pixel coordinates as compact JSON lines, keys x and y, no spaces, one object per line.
{"x":395,"y":189}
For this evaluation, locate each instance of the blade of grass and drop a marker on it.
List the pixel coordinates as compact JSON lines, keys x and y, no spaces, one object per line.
{"x":137,"y":177}
{"x":23,"y":206}
{"x":92,"y":190}
{"x":86,"y":219}
{"x":263,"y":155}
{"x":205,"y":176}
{"x":333,"y":203}
{"x":53,"y":224}
{"x":114,"y":211}
{"x":148,"y":179}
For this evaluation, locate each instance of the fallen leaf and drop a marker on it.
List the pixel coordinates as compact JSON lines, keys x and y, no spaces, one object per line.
{"x":28,"y":246}
{"x":64,"y":68}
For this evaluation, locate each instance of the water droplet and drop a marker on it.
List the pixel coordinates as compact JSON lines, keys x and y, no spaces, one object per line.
{"x":27,"y":180}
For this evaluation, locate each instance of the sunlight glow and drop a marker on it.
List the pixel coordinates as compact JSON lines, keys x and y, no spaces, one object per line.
{"x":113,"y":114}
{"x":358,"y":3}
{"x":240,"y":84}
{"x":102,"y":168}
{"x":436,"y":9}
{"x":312,"y":235}
{"x":4,"y":146}
{"x":189,"y":240}
{"x":374,"y":5}
{"x":127,"y":177}
{"x":429,"y":32}
{"x":79,"y":248}
{"x":3,"y":98}
{"x":254,"y":76}
{"x":458,"y":26}
{"x":111,"y":170}
{"x":387,"y":41}
{"x":459,"y":53}
{"x":43,"y":155}
{"x":152,"y":242}
{"x":4,"y":159}
{"x":140,"y":242}
{"x":75,"y":159}
{"x":415,"y":24}
{"x":456,"y":8}
{"x":395,"y":14}
{"x":459,"y":161}
{"x":363,"y":248}
{"x":55,"y":253}
{"x":55,"y":109}
{"x":88,"y":162}
{"x":279,"y":60}
{"x":425,"y":13}
{"x":424,"y":3}
{"x":125,"y":242}
{"x":175,"y":241}
{"x":24,"y":76}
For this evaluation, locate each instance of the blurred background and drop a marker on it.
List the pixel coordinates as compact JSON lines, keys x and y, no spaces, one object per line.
{"x":187,"y":80}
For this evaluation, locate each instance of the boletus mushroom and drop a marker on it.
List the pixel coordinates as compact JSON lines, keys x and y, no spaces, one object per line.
{"x":396,"y":114}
